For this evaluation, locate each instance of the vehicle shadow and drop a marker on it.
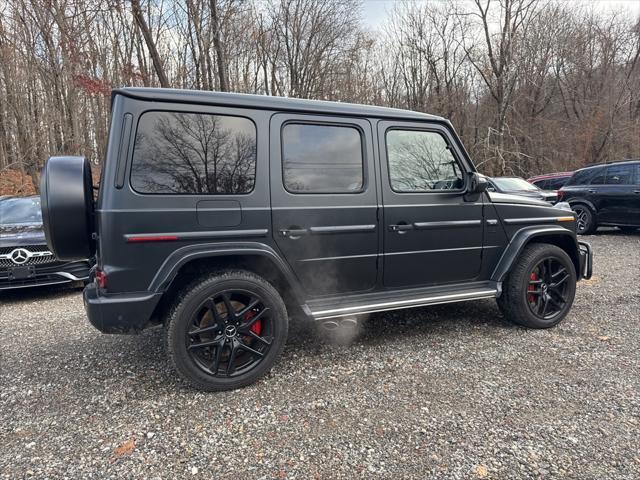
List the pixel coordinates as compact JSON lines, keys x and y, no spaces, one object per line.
{"x":39,"y":293}
{"x":612,"y":231}
{"x":140,"y":361}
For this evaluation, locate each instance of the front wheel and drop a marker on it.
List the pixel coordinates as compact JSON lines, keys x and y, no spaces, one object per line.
{"x":226,"y":330}
{"x":539,"y":290}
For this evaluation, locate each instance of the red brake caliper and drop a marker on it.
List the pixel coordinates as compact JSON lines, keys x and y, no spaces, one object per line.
{"x":531,"y":288}
{"x":257,"y":326}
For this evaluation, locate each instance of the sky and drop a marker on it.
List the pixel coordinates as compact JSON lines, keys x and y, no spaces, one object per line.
{"x":375,"y":12}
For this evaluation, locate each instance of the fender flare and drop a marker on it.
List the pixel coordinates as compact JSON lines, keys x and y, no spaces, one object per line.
{"x":171,"y":266}
{"x":522,"y":238}
{"x":583,"y":201}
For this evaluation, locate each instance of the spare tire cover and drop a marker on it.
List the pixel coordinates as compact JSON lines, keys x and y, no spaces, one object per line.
{"x":66,"y":198}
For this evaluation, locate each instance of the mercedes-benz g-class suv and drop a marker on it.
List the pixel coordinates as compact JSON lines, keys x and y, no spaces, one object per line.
{"x":221,"y":216}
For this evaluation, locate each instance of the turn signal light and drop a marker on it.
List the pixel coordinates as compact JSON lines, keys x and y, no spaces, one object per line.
{"x":101,"y":279}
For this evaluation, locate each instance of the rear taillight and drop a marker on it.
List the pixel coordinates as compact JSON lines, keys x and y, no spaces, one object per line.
{"x":560,"y":195}
{"x":101,"y":279}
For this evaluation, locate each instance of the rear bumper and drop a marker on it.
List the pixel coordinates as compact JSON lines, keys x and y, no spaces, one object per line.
{"x":51,"y":274}
{"x":586,"y":260}
{"x":119,"y":313}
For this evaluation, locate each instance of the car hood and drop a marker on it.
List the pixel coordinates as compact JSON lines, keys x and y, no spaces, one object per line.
{"x":21,"y":235}
{"x":519,"y":199}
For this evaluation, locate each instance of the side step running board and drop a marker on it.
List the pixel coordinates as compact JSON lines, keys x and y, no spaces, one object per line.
{"x":405,"y":303}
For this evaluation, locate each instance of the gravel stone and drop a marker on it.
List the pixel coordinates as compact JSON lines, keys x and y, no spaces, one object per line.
{"x":446,"y":392}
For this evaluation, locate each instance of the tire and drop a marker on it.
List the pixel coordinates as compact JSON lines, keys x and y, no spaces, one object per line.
{"x":528,"y":285}
{"x":586,"y":220}
{"x":627,"y":229}
{"x":204,"y":304}
{"x":66,"y":200}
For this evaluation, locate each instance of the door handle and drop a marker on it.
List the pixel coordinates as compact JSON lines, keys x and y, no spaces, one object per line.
{"x":401,"y":227}
{"x":593,"y":191}
{"x":636,"y":191}
{"x":293,"y":233}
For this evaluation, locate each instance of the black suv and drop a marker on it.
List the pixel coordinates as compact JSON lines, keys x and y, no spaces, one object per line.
{"x":25,"y":258}
{"x":221,"y":216}
{"x":607,"y":194}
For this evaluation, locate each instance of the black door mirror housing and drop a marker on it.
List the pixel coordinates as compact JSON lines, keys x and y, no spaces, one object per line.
{"x":476,"y":183}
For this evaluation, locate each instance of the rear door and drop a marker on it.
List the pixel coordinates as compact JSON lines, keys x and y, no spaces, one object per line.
{"x":432,"y":234}
{"x":617,"y":195}
{"x":324,"y":201}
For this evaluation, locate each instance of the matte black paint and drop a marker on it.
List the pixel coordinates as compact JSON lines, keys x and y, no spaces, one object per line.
{"x":335,"y":251}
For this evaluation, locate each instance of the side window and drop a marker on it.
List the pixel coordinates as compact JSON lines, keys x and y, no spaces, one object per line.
{"x":581,"y":177}
{"x":619,"y":175}
{"x":599,"y":177}
{"x":556,"y":184}
{"x":193,"y":153}
{"x":322,"y":158}
{"x":421,"y":161}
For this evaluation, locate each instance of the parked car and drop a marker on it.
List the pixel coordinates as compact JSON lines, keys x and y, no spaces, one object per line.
{"x":25,"y":259}
{"x":519,"y":186}
{"x":550,"y":181}
{"x":220,"y":216}
{"x":606,"y":194}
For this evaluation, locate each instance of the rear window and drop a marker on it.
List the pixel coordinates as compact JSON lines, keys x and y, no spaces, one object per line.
{"x":193,"y":153}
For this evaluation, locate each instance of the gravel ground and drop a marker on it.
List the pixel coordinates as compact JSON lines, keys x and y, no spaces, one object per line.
{"x":442,"y":392}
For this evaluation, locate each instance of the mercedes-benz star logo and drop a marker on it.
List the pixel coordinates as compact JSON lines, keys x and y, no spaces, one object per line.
{"x":19,"y":256}
{"x":230,"y":330}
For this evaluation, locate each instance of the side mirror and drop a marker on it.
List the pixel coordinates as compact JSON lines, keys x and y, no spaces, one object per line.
{"x":476,"y":183}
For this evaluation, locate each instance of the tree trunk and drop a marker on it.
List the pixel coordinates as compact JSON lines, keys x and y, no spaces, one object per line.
{"x":219,"y":47}
{"x":153,"y":51}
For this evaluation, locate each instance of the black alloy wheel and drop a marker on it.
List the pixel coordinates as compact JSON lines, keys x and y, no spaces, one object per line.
{"x":584,"y":219}
{"x":547,"y":293}
{"x":231,"y":333}
{"x":226,"y":330}
{"x":540,"y":288}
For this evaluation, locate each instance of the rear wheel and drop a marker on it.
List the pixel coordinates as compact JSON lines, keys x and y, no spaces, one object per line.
{"x":585,"y":219}
{"x":539,"y":291}
{"x":226,"y":331}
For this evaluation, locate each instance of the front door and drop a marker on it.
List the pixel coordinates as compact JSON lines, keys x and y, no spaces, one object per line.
{"x":432,"y":233}
{"x":324,"y":201}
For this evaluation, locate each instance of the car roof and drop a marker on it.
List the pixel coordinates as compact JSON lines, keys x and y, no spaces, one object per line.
{"x":269,"y":103}
{"x":619,"y":162}
{"x":550,"y":175}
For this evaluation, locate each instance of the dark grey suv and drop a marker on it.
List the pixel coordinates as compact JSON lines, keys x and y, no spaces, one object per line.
{"x":222,"y":216}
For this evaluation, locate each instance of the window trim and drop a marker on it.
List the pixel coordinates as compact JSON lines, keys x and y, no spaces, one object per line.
{"x":449,"y":147}
{"x":363,"y":154}
{"x":188,"y":194}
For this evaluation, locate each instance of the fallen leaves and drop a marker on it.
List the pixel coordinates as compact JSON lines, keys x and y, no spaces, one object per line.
{"x":481,"y":471}
{"x":124,"y":449}
{"x":592,"y":281}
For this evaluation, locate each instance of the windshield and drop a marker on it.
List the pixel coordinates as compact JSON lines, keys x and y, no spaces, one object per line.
{"x":511,"y":184}
{"x":20,"y":210}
